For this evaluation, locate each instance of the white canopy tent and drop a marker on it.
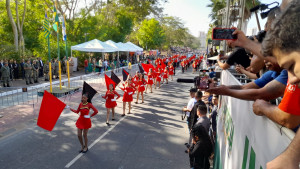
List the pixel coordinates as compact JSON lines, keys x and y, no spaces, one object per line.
{"x":94,"y":46}
{"x":118,"y":46}
{"x":138,"y":49}
{"x":108,"y":46}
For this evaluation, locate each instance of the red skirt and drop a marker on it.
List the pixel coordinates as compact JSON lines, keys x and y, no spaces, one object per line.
{"x":158,"y":78}
{"x":150,"y":82}
{"x":110,"y":104}
{"x":171,"y":72}
{"x":141,"y":88}
{"x":165,"y":76}
{"x":83,"y":123}
{"x":127,"y":98}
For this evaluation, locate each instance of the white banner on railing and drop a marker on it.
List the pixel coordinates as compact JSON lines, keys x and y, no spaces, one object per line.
{"x":244,"y":140}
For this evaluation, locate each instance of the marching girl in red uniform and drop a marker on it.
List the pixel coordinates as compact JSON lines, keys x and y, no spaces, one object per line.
{"x":150,"y":80}
{"x":127,"y":97}
{"x":110,"y":103}
{"x":158,"y":78}
{"x":84,"y":121}
{"x":141,"y":88}
{"x":166,"y":74}
{"x":194,"y":66}
{"x":182,"y":66}
{"x":171,"y":71}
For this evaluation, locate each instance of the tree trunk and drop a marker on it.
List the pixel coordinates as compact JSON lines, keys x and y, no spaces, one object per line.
{"x":21,"y":30}
{"x":13,"y":24}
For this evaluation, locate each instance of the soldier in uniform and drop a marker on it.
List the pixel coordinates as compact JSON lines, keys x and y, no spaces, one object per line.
{"x":56,"y":67}
{"x":46,"y":71}
{"x":71,"y":64}
{"x":52,"y":68}
{"x":5,"y":72}
{"x":28,"y":72}
{"x":35,"y":71}
{"x":64,"y":65}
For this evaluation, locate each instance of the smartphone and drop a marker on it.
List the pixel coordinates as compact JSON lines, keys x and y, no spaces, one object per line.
{"x":223,"y":34}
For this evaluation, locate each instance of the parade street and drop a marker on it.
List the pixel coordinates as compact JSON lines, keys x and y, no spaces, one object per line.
{"x":152,"y":137}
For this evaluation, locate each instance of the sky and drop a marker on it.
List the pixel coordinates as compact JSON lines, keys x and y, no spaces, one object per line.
{"x":194,"y":14}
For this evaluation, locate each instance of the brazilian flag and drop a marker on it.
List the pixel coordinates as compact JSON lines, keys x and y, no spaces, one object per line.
{"x":56,"y":20}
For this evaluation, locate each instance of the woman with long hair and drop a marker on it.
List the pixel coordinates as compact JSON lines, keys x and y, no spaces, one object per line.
{"x":110,"y":103}
{"x":141,"y":88}
{"x":84,"y":121}
{"x":158,"y":78}
{"x":127,"y":97}
{"x":149,"y":80}
{"x":166,"y":75}
{"x":171,"y":71}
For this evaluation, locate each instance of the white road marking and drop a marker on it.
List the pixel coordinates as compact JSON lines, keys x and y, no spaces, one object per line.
{"x":95,"y":142}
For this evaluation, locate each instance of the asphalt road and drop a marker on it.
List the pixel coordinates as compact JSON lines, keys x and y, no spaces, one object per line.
{"x":152,"y":137}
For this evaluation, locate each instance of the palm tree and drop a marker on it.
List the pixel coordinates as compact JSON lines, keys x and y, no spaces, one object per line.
{"x":217,"y":5}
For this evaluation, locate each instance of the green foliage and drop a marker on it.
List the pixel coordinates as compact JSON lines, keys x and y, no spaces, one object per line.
{"x":117,"y":20}
{"x":151,"y":35}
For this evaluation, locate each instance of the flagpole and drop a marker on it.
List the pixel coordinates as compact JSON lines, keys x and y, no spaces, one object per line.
{"x":50,"y":70}
{"x":58,"y":53}
{"x":49,"y":55}
{"x":68,"y":70}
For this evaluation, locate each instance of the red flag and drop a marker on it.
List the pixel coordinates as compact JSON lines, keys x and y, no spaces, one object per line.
{"x":146,"y":67}
{"x":109,"y":81}
{"x":153,"y":68}
{"x":50,"y":111}
{"x":163,"y":66}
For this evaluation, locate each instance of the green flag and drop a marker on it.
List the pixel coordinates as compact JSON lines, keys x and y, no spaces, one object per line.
{"x":56,"y":20}
{"x":46,"y":26}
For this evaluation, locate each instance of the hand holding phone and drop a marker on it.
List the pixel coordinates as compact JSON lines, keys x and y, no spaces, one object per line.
{"x":223,"y":34}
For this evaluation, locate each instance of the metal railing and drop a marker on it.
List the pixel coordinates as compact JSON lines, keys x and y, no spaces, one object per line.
{"x":13,"y":96}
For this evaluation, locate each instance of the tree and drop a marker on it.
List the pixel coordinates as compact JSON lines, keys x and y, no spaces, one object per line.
{"x":17,"y":28}
{"x":151,"y":34}
{"x":13,"y":24}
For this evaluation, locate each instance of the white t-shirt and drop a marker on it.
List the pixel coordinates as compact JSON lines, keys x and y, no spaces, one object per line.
{"x":190,"y":105}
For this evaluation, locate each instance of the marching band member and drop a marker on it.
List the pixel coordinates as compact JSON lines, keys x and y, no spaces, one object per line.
{"x":127,"y":97}
{"x":149,"y":80}
{"x":84,"y":121}
{"x":141,"y":88}
{"x":166,"y":74}
{"x":171,"y":71}
{"x":158,"y":78}
{"x":110,"y":103}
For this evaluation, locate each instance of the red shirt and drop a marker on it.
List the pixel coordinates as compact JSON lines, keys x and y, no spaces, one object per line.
{"x":290,"y":102}
{"x":85,"y":63}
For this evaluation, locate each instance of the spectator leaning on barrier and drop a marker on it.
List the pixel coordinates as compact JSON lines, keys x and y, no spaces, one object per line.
{"x":282,"y":41}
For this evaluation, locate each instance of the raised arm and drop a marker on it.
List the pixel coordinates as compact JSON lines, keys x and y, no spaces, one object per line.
{"x":116,"y":93}
{"x":76,"y":111}
{"x":94,"y":109}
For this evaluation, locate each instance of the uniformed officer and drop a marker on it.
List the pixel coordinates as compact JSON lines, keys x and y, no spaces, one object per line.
{"x":5,"y":72}
{"x":46,"y":71}
{"x":56,"y":67}
{"x":28,"y":72}
{"x":52,"y":68}
{"x":35,"y":71}
{"x":71,"y":64}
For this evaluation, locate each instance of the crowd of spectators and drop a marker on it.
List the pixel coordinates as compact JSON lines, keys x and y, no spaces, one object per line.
{"x":272,"y":58}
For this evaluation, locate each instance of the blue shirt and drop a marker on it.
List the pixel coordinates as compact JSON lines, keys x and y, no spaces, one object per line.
{"x":212,"y":74}
{"x":271,"y":75}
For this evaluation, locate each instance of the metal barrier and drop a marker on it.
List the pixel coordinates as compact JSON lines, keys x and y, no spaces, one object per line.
{"x":29,"y":95}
